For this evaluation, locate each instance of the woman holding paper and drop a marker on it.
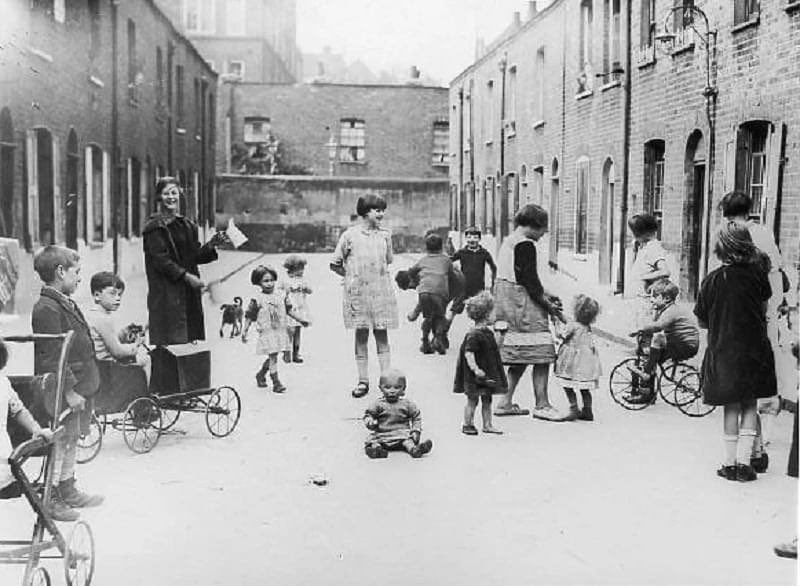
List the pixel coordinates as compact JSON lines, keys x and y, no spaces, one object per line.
{"x":172,"y":252}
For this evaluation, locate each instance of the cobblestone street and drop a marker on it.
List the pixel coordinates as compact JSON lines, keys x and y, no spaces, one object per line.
{"x":631,"y":498}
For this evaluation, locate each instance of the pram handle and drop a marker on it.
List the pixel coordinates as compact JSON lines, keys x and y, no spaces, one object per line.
{"x":27,"y":448}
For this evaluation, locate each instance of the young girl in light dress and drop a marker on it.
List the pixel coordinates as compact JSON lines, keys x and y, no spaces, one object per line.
{"x":274,"y":308}
{"x":577,"y":362}
{"x":298,"y":291}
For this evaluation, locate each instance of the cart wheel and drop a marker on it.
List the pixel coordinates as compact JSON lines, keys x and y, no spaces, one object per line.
{"x":39,"y":577}
{"x":141,"y":426}
{"x":668,"y":382}
{"x":690,"y":396}
{"x":79,"y":556}
{"x":89,"y":445}
{"x":169,"y":417}
{"x":222,"y":411}
{"x":623,"y":384}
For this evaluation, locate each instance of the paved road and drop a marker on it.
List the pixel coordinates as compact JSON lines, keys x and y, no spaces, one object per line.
{"x":629,"y":499}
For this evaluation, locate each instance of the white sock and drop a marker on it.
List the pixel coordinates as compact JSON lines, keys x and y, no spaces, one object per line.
{"x":758,"y":446}
{"x":729,"y":441}
{"x":744,"y":447}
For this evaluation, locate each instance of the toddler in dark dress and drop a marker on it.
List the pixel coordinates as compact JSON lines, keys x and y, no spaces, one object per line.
{"x":479,"y":370}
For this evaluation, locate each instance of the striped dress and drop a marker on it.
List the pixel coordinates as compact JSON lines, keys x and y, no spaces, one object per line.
{"x":368,"y":299}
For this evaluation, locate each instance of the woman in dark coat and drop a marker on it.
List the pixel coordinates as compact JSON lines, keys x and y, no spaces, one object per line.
{"x":172,"y":252}
{"x":738,"y":366}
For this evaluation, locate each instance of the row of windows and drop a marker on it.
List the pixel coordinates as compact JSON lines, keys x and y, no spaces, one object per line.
{"x":352,"y":142}
{"x":200,"y":17}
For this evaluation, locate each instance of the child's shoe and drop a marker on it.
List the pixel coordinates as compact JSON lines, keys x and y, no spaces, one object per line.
{"x":425,"y":348}
{"x":421,"y":449}
{"x":786,"y":550}
{"x":745,"y":473}
{"x":74,"y":498}
{"x":277,"y":387}
{"x":375,"y":452}
{"x":296,"y":358}
{"x":469,"y":430}
{"x":572,"y":414}
{"x":287,"y":356}
{"x":727,"y":472}
{"x":761,"y":463}
{"x":261,"y":379}
{"x":438,"y":345}
{"x":586,"y":414}
{"x":59,"y":510}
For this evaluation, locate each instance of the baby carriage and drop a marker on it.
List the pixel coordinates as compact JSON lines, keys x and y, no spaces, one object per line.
{"x":77,"y":551}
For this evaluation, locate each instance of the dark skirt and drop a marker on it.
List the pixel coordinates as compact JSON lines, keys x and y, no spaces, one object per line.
{"x":732,"y":378}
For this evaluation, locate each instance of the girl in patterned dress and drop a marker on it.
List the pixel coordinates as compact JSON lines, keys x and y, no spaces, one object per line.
{"x":362,"y":257}
{"x":271,"y":324}
{"x":298,"y":290}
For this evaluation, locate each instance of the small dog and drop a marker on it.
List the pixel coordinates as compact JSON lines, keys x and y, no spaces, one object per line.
{"x":250,"y":316}
{"x":406,"y":281}
{"x":132,"y":333}
{"x":232,"y":314}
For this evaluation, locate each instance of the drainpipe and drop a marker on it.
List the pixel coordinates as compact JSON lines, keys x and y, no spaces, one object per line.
{"x":503,"y":66}
{"x":460,"y":192}
{"x":471,"y":97}
{"x":115,"y":159}
{"x":626,"y":152}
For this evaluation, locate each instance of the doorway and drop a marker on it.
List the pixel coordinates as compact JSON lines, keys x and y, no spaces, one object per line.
{"x":694,"y":188}
{"x":555,"y":191}
{"x":72,"y":200}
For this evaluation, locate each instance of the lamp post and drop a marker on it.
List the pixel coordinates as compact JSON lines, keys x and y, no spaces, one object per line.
{"x":332,"y":147}
{"x":708,"y":39}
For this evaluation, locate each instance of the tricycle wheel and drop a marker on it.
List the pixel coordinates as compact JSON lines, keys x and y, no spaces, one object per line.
{"x":89,"y":445}
{"x":141,"y":426}
{"x":624,"y":384}
{"x":690,"y":396}
{"x":222,"y":411}
{"x":169,"y":417}
{"x":39,"y":577}
{"x":668,"y":382}
{"x":79,"y":556}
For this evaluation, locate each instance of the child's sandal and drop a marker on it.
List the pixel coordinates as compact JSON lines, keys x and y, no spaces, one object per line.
{"x":362,"y":388}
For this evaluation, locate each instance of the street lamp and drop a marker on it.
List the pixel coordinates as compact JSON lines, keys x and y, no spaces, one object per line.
{"x":333,"y":147}
{"x":708,"y":39}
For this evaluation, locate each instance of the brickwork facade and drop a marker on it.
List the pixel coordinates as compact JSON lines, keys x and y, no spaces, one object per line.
{"x":564,"y":118}
{"x":83,"y":137}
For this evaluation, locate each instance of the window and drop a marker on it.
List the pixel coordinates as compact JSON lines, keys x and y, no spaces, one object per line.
{"x":487,"y":114}
{"x":511,"y":105}
{"x":611,"y":42}
{"x":585,"y":74}
{"x":179,"y":106}
{"x":7,"y":192}
{"x":467,"y":120}
{"x":199,"y":16}
{"x":647,"y":24}
{"x":94,"y":16}
{"x":538,"y":89}
{"x":745,"y":11}
{"x":352,"y":140}
{"x":523,"y":176}
{"x":159,"y":76}
{"x":236,"y":68}
{"x":236,"y":17}
{"x":97,"y":183}
{"x":654,"y":180}
{"x":441,"y":142}
{"x":256,"y":129}
{"x":582,"y":207}
{"x":538,"y":185}
{"x":59,"y":10}
{"x":133,"y":74}
{"x":751,"y":163}
{"x":488,"y":193}
{"x":211,"y":64}
{"x":136,"y":195}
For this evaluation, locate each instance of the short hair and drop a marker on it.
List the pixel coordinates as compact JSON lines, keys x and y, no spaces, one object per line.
{"x":433,"y":242}
{"x":369,"y":202}
{"x":3,"y":354}
{"x":392,"y":374}
{"x":258,"y":274}
{"x":531,"y":215}
{"x":473,"y":230}
{"x":585,"y":309}
{"x":49,"y":258}
{"x":734,"y":245}
{"x":162,"y":183}
{"x":103,"y":279}
{"x":641,"y":224}
{"x":666,"y":289}
{"x":736,"y":203}
{"x":294,"y":262}
{"x":480,"y":306}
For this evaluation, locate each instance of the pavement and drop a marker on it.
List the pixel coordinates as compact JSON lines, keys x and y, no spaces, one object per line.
{"x":631,"y":498}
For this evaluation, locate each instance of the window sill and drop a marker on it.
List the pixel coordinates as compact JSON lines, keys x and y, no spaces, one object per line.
{"x":440,"y":164}
{"x":679,"y":50}
{"x":95,"y":245}
{"x":352,"y":162}
{"x":489,"y":142}
{"x":511,"y":134}
{"x":747,"y":24}
{"x":579,"y":256}
{"x":646,"y":63}
{"x":41,"y":54}
{"x":198,"y":138}
{"x":611,"y":84}
{"x":538,"y":124}
{"x":180,"y":131}
{"x":792,"y":6}
{"x":133,"y":103}
{"x":583,"y":94}
{"x":96,"y":81}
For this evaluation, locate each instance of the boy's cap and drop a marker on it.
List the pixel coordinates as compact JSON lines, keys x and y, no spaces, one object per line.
{"x":472,"y":230}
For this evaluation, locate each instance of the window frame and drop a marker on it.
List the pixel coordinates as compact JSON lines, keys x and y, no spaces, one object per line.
{"x":251,"y":120}
{"x":352,"y":140}
{"x":653,"y":180}
{"x":206,"y":17}
{"x":241,"y":64}
{"x":440,"y":157}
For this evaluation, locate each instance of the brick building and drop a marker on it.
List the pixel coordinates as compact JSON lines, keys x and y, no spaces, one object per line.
{"x":254,"y":40}
{"x":542,"y":117}
{"x":345,"y":140}
{"x":97,"y":99}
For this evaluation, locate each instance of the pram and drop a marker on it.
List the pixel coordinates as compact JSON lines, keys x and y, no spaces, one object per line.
{"x":180,"y":382}
{"x":77,"y":551}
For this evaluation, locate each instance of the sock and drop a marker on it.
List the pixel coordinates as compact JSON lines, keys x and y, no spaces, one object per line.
{"x":744,"y":446}
{"x":384,"y":359}
{"x":586,"y":395}
{"x":730,"y":441}
{"x":758,"y":446}
{"x":362,"y":364}
{"x":573,"y":400}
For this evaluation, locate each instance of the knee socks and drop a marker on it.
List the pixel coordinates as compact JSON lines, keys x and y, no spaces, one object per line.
{"x":730,"y":443}
{"x":744,"y":446}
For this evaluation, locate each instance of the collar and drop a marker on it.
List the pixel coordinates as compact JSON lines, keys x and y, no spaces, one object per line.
{"x":56,"y":294}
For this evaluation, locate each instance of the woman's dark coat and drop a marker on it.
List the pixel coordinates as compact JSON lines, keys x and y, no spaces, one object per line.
{"x":175,"y":309}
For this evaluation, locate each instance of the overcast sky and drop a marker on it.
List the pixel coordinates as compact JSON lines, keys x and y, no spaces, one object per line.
{"x":438,"y":36}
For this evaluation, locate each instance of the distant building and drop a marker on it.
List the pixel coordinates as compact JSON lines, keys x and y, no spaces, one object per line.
{"x":254,"y":40}
{"x":83,"y":136}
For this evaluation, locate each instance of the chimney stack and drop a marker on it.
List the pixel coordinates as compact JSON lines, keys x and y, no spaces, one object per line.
{"x":516,"y":21}
{"x":532,"y":10}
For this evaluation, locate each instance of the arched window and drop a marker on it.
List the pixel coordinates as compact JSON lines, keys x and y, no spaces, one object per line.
{"x":96,"y":182}
{"x":582,"y":206}
{"x":585,"y":71}
{"x":653,"y":189}
{"x":74,"y":207}
{"x":8,"y":199}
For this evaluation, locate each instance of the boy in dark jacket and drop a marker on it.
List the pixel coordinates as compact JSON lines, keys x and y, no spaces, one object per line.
{"x":56,"y":313}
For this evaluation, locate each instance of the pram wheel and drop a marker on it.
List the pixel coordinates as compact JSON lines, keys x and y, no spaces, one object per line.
{"x":79,"y":556}
{"x":141,"y":426}
{"x":169,"y":417}
{"x":222,"y":411}
{"x":39,"y":577}
{"x":89,"y":445}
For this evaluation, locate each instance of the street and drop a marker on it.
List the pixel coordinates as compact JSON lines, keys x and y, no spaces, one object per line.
{"x":631,"y":498}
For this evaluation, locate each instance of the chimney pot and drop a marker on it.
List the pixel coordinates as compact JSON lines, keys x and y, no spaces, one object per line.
{"x":515,"y":19}
{"x":532,"y":10}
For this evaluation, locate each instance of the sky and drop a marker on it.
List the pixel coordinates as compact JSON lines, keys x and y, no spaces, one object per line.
{"x":437,"y":36}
